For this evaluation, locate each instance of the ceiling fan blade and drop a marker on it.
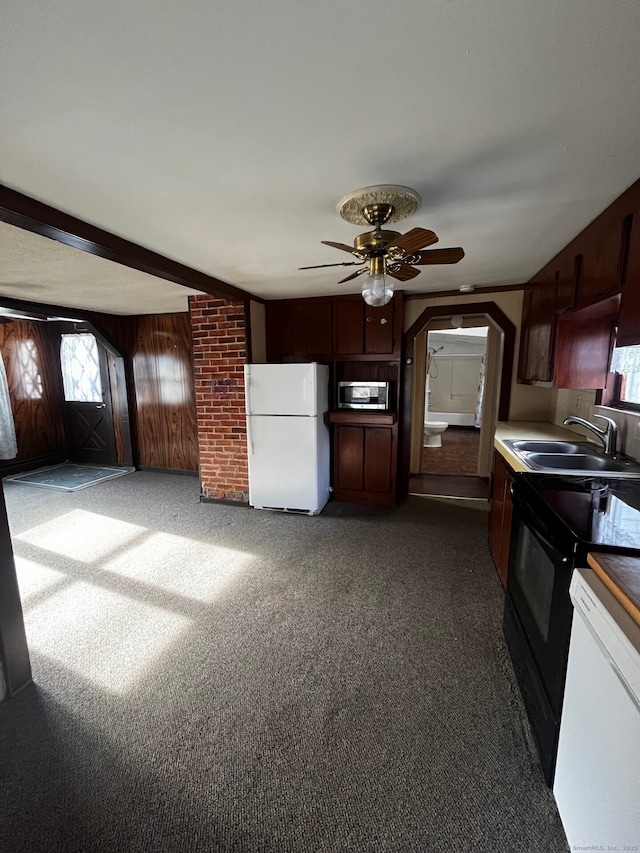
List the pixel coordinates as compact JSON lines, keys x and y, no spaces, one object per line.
{"x":414,"y":240}
{"x":353,"y":275}
{"x":343,"y":264}
{"x":403,"y":272}
{"x":342,"y":246}
{"x":440,"y":256}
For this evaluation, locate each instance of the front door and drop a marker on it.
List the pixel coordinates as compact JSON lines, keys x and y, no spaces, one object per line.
{"x":90,"y":429}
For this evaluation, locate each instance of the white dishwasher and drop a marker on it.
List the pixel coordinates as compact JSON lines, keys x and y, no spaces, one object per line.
{"x":597,"y":781}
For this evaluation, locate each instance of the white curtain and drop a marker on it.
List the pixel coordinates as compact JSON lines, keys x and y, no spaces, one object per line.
{"x":8,"y":443}
{"x":80,"y":368}
{"x":626,"y":360}
{"x":477,"y":420}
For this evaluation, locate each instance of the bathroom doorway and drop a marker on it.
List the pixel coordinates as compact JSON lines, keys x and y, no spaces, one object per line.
{"x":500,"y":348}
{"x":453,"y":400}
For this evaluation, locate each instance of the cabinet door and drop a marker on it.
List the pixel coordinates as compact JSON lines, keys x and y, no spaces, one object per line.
{"x":496,"y":511}
{"x":584,"y":345}
{"x":500,"y":516}
{"x":349,"y":327}
{"x":378,"y":329}
{"x":313,"y":330}
{"x":566,"y":281}
{"x":526,"y":328}
{"x":281,"y":331}
{"x":377,"y":459}
{"x":629,"y":327}
{"x":600,"y":269}
{"x":349,"y":457}
{"x":538,"y":329}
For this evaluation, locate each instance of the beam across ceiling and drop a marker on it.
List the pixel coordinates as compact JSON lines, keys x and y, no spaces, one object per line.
{"x":32,"y":215}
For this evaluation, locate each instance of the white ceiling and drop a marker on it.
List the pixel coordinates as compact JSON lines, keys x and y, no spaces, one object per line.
{"x":223,"y":134}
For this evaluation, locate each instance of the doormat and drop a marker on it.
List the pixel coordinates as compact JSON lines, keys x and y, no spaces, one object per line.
{"x":68,"y":477}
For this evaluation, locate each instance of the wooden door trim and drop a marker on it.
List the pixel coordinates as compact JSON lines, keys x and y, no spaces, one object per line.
{"x":467,"y":309}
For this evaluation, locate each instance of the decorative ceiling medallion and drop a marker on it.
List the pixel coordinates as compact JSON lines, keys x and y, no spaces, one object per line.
{"x":404,"y":201}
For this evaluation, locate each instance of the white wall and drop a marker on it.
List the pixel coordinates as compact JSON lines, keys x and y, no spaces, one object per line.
{"x":453,"y":383}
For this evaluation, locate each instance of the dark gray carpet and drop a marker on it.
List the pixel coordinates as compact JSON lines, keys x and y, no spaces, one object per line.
{"x":286,"y":683}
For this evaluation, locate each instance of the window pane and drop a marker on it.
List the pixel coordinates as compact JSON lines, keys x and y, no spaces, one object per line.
{"x":630,"y":391}
{"x":80,"y":368}
{"x":626,"y":362}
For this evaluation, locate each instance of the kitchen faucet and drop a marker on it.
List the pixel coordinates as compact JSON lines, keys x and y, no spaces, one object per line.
{"x":607,"y":436}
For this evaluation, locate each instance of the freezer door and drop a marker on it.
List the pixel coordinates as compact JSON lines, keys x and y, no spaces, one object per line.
{"x":288,"y":463}
{"x":286,"y":389}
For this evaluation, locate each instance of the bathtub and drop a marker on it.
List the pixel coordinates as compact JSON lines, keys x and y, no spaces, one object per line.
{"x":452,"y":418}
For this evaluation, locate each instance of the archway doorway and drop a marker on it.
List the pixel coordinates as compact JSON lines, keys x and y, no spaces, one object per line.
{"x":492,"y":403}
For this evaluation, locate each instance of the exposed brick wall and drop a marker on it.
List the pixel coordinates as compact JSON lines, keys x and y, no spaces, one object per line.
{"x":219,"y":330}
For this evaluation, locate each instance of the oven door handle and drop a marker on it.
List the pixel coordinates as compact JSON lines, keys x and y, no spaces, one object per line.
{"x":530,"y":521}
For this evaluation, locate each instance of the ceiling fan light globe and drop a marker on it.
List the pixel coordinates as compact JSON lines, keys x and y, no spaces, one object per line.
{"x":377,"y":290}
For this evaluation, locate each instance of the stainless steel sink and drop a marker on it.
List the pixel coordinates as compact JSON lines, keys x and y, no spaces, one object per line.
{"x":579,"y":462}
{"x":568,"y":457}
{"x":527,"y":446}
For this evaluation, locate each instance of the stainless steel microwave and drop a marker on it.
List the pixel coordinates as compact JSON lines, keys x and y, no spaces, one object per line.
{"x":363,"y":395}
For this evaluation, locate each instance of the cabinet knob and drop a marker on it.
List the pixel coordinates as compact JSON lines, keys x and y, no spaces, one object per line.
{"x":383,"y":321}
{"x":369,"y":319}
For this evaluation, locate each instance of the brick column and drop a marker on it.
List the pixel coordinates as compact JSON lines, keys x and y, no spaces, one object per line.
{"x":219,"y":331}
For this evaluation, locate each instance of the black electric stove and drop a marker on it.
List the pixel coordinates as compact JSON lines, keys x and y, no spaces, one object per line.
{"x":557,"y":520}
{"x":598,"y":513}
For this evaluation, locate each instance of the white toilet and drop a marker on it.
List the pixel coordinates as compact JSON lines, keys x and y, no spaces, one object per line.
{"x":433,"y":433}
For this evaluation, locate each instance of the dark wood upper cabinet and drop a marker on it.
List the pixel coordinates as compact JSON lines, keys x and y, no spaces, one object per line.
{"x":281,"y":341}
{"x":332,"y":328}
{"x":601,"y":269}
{"x":378,"y":329}
{"x":350,"y":327}
{"x":538,"y":331}
{"x":312,"y":329}
{"x":584,"y":341}
{"x":567,"y":275}
{"x":629,"y":320}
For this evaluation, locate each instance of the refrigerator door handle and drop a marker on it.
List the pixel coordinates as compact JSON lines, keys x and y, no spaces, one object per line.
{"x":249,"y":440}
{"x":247,"y":398}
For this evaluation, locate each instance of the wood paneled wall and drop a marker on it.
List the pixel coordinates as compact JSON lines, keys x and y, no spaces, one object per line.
{"x":165,"y":406}
{"x":31,"y":354}
{"x":158,"y":354}
{"x":157,"y":350}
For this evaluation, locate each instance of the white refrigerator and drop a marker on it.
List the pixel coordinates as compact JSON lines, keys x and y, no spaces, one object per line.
{"x":287,"y":437}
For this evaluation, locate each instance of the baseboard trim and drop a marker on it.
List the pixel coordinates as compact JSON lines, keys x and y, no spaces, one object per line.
{"x":179,"y":471}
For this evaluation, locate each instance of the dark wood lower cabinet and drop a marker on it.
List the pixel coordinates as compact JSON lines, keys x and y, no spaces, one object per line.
{"x":364,"y":460}
{"x":500,"y":516}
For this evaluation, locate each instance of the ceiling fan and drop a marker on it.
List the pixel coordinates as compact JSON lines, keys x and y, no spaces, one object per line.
{"x":386,"y":254}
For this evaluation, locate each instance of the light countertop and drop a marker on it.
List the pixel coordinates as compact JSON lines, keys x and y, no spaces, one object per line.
{"x":536,"y":430}
{"x":621,"y":575}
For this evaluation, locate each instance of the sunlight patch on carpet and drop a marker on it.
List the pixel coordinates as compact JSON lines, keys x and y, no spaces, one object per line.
{"x":105,"y":637}
{"x":34,"y":578}
{"x":81,"y":535}
{"x":176,"y":564}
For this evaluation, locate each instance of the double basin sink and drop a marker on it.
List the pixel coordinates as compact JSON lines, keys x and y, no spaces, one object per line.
{"x":568,"y":457}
